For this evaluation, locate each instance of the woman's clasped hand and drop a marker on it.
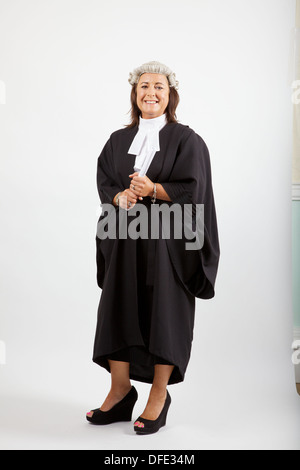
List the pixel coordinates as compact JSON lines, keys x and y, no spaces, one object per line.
{"x":140,"y":186}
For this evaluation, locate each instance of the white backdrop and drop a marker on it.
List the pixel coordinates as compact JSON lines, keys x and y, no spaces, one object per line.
{"x":65,"y":65}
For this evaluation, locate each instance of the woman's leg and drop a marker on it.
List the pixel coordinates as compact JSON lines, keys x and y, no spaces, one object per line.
{"x":120,"y":385}
{"x":158,"y":392}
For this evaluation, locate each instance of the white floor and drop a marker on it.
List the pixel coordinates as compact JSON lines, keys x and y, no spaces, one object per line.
{"x":232,"y":416}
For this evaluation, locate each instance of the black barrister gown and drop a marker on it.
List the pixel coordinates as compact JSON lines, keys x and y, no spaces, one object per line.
{"x":149,"y":285}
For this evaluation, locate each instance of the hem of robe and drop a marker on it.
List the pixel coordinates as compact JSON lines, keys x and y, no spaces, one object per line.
{"x":142,"y":362}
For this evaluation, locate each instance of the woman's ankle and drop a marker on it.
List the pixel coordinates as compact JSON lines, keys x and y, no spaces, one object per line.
{"x":158,"y":391}
{"x":120,"y":390}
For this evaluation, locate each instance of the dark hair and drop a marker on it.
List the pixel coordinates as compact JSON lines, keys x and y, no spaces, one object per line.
{"x":170,"y":109}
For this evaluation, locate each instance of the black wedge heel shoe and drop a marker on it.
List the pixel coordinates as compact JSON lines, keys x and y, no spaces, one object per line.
{"x":149,"y":426}
{"x":122,"y":411}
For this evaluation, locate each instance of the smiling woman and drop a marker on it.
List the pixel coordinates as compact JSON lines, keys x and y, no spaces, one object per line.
{"x":146,"y":311}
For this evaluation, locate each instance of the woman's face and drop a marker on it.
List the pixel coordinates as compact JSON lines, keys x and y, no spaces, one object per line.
{"x":152,"y":95}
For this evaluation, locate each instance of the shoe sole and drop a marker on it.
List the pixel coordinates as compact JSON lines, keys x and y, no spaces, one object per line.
{"x":144,"y":433}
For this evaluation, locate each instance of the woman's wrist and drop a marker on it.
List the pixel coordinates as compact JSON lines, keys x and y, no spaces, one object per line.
{"x":153,"y":197}
{"x":116,"y":199}
{"x":161,"y":193}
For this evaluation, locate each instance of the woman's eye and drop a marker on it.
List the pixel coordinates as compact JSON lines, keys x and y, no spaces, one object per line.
{"x":158,"y":87}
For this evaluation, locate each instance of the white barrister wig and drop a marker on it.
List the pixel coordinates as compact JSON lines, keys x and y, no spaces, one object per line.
{"x":153,"y":67}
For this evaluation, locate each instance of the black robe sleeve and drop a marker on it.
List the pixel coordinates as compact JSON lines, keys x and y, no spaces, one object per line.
{"x":190,"y":182}
{"x":107,"y":187}
{"x":106,"y":175}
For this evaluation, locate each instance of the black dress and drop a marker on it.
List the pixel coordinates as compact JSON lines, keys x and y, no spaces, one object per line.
{"x":149,"y":285}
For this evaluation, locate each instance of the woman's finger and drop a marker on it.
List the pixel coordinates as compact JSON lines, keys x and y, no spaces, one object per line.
{"x":127,"y":201}
{"x":129,"y":195}
{"x":136,"y":193}
{"x":136,"y":188}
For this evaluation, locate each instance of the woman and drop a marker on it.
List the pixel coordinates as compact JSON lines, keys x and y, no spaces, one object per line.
{"x":149,"y":283}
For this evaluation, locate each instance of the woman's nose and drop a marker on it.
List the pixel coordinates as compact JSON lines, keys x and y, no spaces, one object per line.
{"x":151,"y":92}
